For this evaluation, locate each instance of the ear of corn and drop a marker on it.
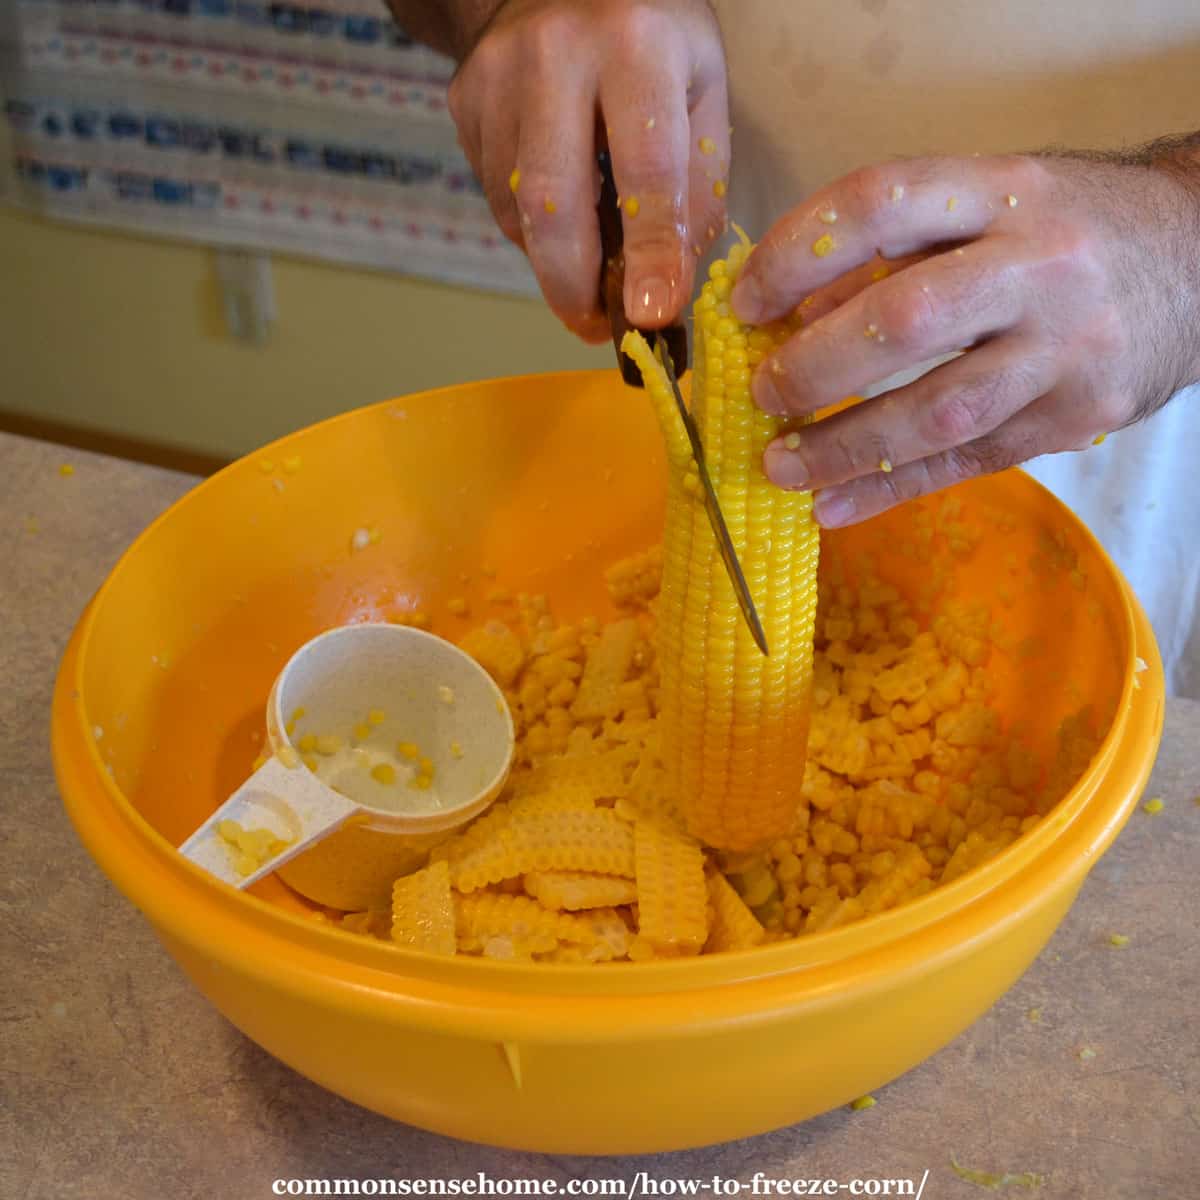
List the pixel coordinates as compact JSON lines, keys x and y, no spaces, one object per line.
{"x":734,"y":723}
{"x":423,"y":910}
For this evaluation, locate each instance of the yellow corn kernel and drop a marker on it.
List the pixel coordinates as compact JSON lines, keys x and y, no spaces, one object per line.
{"x":719,"y":188}
{"x":457,"y":605}
{"x":486,"y":915}
{"x":1154,"y":806}
{"x":376,"y":716}
{"x":425,"y":766}
{"x":299,"y":714}
{"x":707,"y":146}
{"x":608,"y":664}
{"x":731,"y":720}
{"x":408,"y":750}
{"x":288,"y":756}
{"x":384,"y":773}
{"x":456,"y":750}
{"x":362,"y":731}
{"x":574,"y":890}
{"x":632,"y":206}
{"x":498,"y":650}
{"x":266,"y":466}
{"x":514,"y":180}
{"x":66,"y":469}
{"x":423,"y":916}
{"x":1120,"y":940}
{"x":422,"y":783}
{"x":862,"y":1102}
{"x":292,"y":464}
{"x":307,"y":744}
{"x":672,"y":896}
{"x":634,"y":582}
{"x":310,"y":761}
{"x":734,"y":926}
{"x":823,"y":246}
{"x":587,"y":777}
{"x":328,"y":744}
{"x":549,"y":206}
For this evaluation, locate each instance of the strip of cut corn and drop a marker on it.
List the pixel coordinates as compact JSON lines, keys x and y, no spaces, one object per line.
{"x":591,"y":776}
{"x":543,"y":838}
{"x":607,"y":667}
{"x":575,"y":890}
{"x":734,"y":926}
{"x":486,"y":915}
{"x":672,"y":896}
{"x":423,"y":910}
{"x":734,"y":723}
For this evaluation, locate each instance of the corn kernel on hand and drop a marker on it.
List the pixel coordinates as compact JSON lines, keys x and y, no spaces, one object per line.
{"x":1075,"y":327}
{"x":525,"y":101}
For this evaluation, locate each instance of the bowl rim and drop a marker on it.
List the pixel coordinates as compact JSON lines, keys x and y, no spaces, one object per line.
{"x":186,"y":903}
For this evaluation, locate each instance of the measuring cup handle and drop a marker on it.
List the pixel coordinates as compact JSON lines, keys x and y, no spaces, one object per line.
{"x":291,"y":802}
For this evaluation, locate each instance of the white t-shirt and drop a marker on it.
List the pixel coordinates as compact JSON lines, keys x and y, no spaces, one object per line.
{"x":819,"y":87}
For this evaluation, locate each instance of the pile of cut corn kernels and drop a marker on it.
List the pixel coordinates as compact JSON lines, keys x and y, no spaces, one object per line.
{"x":910,"y":780}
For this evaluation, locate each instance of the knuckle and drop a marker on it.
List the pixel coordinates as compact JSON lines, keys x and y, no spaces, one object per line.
{"x":953,"y":417}
{"x":850,"y":454}
{"x":551,"y":32}
{"x":1106,"y":336}
{"x":639,"y":25}
{"x":1026,"y":174}
{"x":863,"y":192}
{"x":486,"y":62}
{"x":907,"y":315}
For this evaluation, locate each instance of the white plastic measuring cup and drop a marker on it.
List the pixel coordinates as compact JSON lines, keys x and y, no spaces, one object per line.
{"x":381,"y":698}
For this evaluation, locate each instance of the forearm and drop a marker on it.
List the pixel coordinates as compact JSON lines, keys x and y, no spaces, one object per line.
{"x":450,"y":26}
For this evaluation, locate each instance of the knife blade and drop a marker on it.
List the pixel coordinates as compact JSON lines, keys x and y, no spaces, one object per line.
{"x":712,"y":506}
{"x":670,"y":345}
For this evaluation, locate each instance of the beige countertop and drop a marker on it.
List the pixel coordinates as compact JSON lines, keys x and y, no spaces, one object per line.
{"x":119,"y":1080}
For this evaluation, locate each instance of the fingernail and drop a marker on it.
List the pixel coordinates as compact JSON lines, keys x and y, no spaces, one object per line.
{"x":649,"y":300}
{"x":746,"y":299}
{"x":765,"y":389}
{"x":784,"y":467}
{"x":833,"y":508}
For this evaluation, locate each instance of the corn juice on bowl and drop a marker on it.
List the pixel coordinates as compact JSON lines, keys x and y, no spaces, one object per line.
{"x":538,"y":484}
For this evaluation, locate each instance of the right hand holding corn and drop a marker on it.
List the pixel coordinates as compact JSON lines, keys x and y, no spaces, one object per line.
{"x":546,"y":85}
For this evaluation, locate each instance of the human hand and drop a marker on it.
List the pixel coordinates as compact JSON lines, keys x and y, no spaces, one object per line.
{"x":1072,"y":282}
{"x":529,"y":100}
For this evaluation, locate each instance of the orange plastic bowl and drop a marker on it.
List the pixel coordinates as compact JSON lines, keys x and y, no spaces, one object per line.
{"x":545,"y":481}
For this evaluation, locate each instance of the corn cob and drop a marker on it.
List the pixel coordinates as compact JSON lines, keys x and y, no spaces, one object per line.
{"x":575,"y":890}
{"x":423,"y":910}
{"x":733,"y":925}
{"x":672,"y":898}
{"x":734,"y":723}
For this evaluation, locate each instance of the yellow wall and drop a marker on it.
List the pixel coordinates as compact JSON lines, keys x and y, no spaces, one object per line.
{"x":126,"y":336}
